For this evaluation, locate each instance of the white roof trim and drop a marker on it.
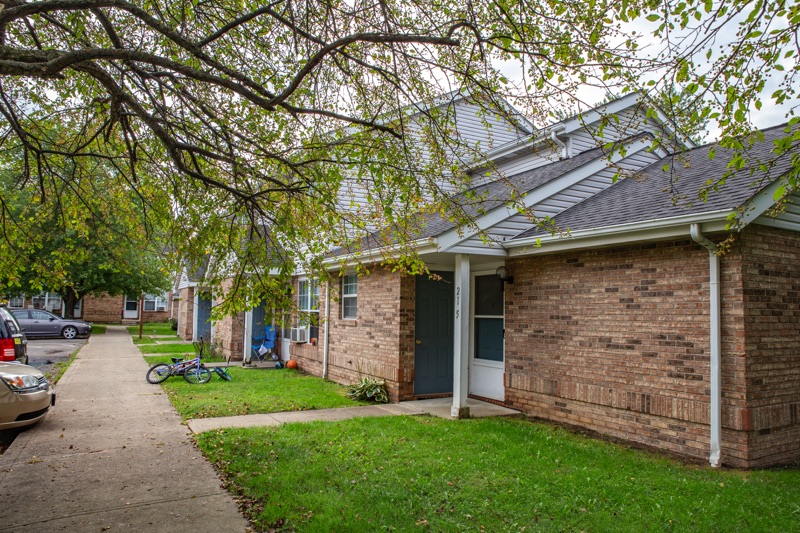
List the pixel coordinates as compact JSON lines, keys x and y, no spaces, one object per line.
{"x":760,"y":203}
{"x":647,"y":230}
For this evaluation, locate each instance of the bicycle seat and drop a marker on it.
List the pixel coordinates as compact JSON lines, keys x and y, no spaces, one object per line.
{"x":177,"y":359}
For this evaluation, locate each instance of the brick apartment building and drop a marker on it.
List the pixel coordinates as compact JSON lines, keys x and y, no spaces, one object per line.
{"x":104,"y":309}
{"x":647,"y":317}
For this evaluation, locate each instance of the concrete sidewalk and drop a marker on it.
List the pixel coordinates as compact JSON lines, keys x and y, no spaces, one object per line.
{"x":111,"y":456}
{"x":437,"y":407}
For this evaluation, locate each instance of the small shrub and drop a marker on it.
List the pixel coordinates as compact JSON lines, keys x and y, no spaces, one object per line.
{"x":173,"y":324}
{"x":369,"y":390}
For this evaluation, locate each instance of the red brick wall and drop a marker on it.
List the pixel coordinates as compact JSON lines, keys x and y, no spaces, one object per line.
{"x":186,"y":314}
{"x":616,"y":340}
{"x":771,"y":293}
{"x":229,"y":332}
{"x":103,"y":308}
{"x":378,"y":343}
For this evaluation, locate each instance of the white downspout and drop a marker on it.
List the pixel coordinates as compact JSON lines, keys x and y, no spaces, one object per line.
{"x":559,"y":142}
{"x":325,"y":336}
{"x":715,"y":344}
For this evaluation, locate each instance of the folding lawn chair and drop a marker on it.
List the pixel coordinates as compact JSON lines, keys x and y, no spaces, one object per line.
{"x":263,"y":346}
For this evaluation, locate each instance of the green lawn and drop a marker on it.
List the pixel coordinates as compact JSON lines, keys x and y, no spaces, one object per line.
{"x":173,"y":348}
{"x":252,"y":391}
{"x":428,"y":474}
{"x":153,"y":328}
{"x":98,"y":329}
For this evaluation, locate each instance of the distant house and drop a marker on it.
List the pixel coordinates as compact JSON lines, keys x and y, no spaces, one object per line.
{"x":105,"y":308}
{"x":644,"y":317}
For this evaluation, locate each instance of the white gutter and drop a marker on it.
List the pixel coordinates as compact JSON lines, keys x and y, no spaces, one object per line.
{"x":530,"y":245}
{"x":325,"y":335}
{"x":714,"y":342}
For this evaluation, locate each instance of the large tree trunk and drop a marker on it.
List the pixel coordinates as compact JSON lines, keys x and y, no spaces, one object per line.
{"x":70,"y":300}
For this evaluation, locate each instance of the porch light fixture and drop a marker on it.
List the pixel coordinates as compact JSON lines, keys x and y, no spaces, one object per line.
{"x":502,"y":273}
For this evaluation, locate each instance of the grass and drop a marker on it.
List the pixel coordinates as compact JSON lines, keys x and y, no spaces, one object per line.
{"x":153,"y":328}
{"x":176,"y":348}
{"x":98,"y":329}
{"x":428,"y":474}
{"x":60,"y":367}
{"x":253,"y":391}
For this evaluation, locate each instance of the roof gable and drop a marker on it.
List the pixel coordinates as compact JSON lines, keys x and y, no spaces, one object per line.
{"x":659,"y":194}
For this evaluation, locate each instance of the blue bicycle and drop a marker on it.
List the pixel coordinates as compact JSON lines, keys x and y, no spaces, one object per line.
{"x":192,"y":371}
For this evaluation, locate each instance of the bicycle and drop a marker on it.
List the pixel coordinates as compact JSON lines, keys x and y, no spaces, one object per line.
{"x":222,"y":373}
{"x":192,"y":370}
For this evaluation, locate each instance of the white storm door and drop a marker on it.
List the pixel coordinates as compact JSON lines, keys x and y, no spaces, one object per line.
{"x":487,"y":365}
{"x":131,"y":308}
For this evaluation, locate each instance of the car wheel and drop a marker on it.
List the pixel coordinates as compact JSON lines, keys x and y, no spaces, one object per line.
{"x":69,"y":332}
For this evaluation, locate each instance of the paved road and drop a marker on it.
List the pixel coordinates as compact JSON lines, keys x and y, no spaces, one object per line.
{"x":43,"y":353}
{"x":111,"y":456}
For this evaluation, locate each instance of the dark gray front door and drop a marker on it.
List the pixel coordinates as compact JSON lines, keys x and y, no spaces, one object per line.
{"x":433,"y":356}
{"x":203,"y":318}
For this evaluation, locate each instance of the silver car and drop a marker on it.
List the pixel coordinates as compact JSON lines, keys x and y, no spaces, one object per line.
{"x":25,"y":395}
{"x":39,"y":323}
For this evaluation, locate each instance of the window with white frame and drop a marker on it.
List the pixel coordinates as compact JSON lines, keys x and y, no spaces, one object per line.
{"x":349,"y":296}
{"x":308,"y":296}
{"x":308,"y":305}
{"x":153,"y":302}
{"x":17,"y":301}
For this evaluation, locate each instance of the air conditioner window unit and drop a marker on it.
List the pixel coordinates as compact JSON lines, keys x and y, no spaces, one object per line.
{"x":299,"y":335}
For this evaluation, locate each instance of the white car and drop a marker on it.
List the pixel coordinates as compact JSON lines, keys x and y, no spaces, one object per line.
{"x":25,"y":395}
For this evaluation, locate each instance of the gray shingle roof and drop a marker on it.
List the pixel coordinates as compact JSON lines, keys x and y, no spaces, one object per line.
{"x":658,"y":194}
{"x":485,"y":198}
{"x":497,"y":193}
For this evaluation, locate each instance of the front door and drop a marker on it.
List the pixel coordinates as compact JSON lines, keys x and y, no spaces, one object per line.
{"x":131,"y":308}
{"x":203,"y":326}
{"x":487,"y":366}
{"x":433,"y":326}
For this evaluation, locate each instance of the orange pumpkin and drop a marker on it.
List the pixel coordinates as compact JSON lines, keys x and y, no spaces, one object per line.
{"x":291,"y":363}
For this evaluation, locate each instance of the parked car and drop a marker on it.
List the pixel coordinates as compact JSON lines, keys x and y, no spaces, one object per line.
{"x":25,"y":395}
{"x":13,"y":343}
{"x":39,"y":323}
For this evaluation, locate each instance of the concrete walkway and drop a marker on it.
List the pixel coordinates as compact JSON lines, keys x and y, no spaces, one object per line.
{"x":111,"y":456}
{"x":437,"y":407}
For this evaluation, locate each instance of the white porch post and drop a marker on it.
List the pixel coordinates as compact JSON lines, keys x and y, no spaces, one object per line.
{"x":248,"y":336}
{"x":461,"y":339}
{"x":194,"y":314}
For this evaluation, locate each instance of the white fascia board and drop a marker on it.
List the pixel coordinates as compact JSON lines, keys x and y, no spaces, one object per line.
{"x":493,"y":248}
{"x":452,"y":237}
{"x":648,"y":230}
{"x":777,"y":223}
{"x":759,"y":203}
{"x":593,"y":115}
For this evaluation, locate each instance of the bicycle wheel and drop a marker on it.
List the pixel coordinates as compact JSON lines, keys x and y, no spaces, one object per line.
{"x":197,"y":374}
{"x":158,"y":373}
{"x":222,"y":373}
